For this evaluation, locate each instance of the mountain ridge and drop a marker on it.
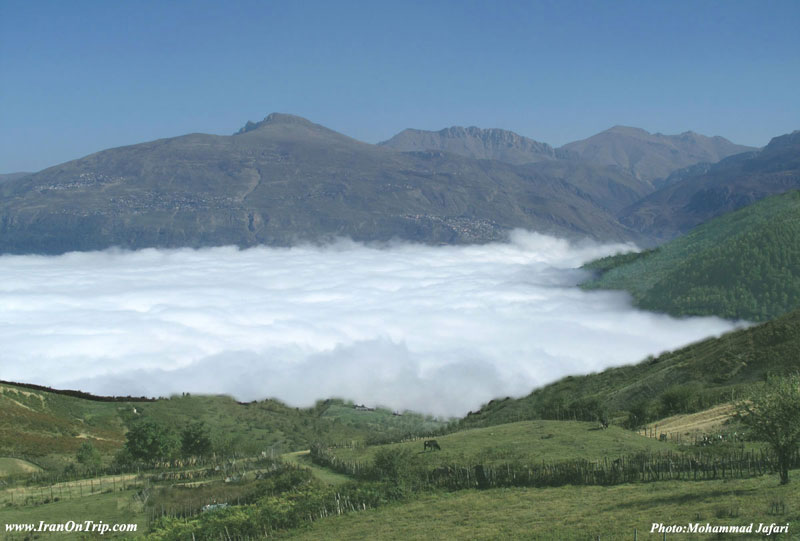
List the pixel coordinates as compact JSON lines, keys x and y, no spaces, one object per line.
{"x":696,"y":196}
{"x":474,"y":142}
{"x":651,"y":156}
{"x":286,"y":180}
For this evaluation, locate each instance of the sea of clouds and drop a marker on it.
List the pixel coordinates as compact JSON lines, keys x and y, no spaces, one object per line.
{"x":434,"y":329}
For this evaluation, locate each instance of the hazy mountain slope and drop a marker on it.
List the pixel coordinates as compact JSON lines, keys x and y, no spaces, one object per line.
{"x":281,"y":181}
{"x":472,"y":142}
{"x":12,"y":176}
{"x":689,"y":379}
{"x":728,"y":185}
{"x":610,"y":187}
{"x":650,"y":156}
{"x":745,"y":264}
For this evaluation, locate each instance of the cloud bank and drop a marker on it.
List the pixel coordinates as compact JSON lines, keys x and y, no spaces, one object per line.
{"x":434,"y":329}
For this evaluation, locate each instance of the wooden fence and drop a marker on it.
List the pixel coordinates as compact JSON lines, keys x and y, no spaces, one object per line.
{"x":626,"y":469}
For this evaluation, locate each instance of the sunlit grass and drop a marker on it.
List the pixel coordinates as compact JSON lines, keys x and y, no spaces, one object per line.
{"x":572,"y":512}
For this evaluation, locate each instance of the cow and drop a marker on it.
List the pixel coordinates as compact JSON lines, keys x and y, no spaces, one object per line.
{"x":431,"y":444}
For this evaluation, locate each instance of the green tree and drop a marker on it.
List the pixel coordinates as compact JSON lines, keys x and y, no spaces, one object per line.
{"x":88,"y":455}
{"x":195,"y":440}
{"x":150,"y":441}
{"x":773,"y":415}
{"x":639,"y":413}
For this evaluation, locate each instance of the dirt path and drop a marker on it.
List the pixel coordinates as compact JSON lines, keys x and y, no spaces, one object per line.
{"x":303,"y":458}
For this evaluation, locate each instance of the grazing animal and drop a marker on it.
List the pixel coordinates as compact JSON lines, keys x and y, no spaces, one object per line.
{"x":431,"y":444}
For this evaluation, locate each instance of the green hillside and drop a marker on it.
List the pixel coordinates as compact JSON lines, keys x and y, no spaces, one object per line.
{"x":689,"y":379}
{"x":526,"y":441}
{"x":39,"y":425}
{"x":743,"y":265}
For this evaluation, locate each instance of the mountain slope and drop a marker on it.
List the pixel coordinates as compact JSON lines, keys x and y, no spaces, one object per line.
{"x":733,"y":183}
{"x":12,"y":176}
{"x":650,"y":156}
{"x":745,"y":264}
{"x":609,"y":187}
{"x":281,"y":181}
{"x":472,"y":142}
{"x":689,"y":379}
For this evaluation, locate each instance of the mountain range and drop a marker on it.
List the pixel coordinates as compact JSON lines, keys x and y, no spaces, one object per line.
{"x":648,"y":157}
{"x":472,"y":142}
{"x":286,"y":180}
{"x":694,"y":196}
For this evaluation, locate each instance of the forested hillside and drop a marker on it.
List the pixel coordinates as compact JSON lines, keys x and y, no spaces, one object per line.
{"x":743,"y":265}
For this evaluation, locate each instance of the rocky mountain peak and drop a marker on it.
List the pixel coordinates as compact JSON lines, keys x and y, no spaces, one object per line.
{"x":273,"y":119}
{"x":784,"y":141}
{"x":474,"y":142}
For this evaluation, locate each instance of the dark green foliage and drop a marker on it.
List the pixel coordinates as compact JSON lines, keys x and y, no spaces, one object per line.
{"x":284,"y":508}
{"x":398,"y":467}
{"x":684,"y":398}
{"x":605,"y":264}
{"x":772,"y":414}
{"x":195,"y":440}
{"x":88,"y":455}
{"x":148,"y":441}
{"x":640,"y":413}
{"x":744,"y":265}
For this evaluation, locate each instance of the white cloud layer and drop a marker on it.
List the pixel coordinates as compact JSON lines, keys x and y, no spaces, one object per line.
{"x":434,"y":329}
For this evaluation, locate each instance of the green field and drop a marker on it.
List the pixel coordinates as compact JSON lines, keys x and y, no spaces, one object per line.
{"x":110,"y":507}
{"x":302,"y":458}
{"x":528,"y":441}
{"x":16,"y":466}
{"x":571,"y":512}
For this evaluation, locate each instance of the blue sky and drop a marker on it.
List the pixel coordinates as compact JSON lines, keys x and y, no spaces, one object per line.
{"x":80,"y":76}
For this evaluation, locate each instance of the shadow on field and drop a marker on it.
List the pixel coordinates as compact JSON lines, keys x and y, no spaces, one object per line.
{"x":681,"y":498}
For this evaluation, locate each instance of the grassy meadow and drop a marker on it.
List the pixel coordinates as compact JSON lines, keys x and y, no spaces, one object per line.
{"x":526,"y":441}
{"x":571,"y":512}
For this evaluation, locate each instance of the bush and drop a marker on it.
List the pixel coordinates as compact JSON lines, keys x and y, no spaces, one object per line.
{"x":88,"y":455}
{"x":680,"y":399}
{"x":640,"y":413}
{"x":149,"y":441}
{"x":397,"y":467}
{"x":195,"y":440}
